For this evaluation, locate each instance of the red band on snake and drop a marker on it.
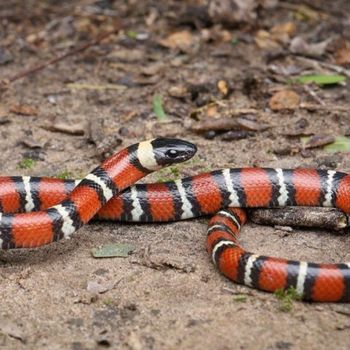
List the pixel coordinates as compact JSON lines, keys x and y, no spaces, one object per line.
{"x":187,"y":198}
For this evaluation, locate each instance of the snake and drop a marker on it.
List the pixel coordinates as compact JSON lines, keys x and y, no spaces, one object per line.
{"x":39,"y":210}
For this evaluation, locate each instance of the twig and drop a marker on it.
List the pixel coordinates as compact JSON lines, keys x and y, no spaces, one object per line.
{"x":316,"y":107}
{"x":60,"y":58}
{"x":237,"y":292}
{"x":314,"y":95}
{"x":326,"y":218}
{"x":330,"y":66}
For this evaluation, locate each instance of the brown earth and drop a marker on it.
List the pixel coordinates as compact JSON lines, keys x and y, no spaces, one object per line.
{"x":167,"y":294}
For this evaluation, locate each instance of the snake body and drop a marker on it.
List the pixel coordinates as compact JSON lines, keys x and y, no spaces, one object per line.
{"x":182,"y":199}
{"x":33,"y":229}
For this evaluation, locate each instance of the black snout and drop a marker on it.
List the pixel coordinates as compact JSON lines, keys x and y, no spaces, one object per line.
{"x":170,"y":151}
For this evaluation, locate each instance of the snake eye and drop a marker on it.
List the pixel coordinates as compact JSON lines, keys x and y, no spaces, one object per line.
{"x":172,"y":153}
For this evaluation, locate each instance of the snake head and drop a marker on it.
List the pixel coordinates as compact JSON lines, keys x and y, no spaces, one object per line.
{"x":162,"y":152}
{"x":171,"y":151}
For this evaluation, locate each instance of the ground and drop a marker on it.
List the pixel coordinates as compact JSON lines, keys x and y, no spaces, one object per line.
{"x":63,"y":119}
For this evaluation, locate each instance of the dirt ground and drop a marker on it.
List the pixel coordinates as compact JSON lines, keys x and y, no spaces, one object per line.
{"x":62,"y":120}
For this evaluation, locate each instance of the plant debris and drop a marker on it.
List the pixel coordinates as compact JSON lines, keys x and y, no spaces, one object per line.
{"x":158,"y":108}
{"x":340,"y":144}
{"x":325,"y":218}
{"x":117,"y":250}
{"x":286,"y":298}
{"x":321,"y":79}
{"x":182,"y":40}
{"x":24,"y":109}
{"x":98,"y":287}
{"x":86,"y":86}
{"x":75,"y":129}
{"x":227,"y":124}
{"x":299,"y":46}
{"x":316,"y":141}
{"x":285,"y":99}
{"x":342,"y":56}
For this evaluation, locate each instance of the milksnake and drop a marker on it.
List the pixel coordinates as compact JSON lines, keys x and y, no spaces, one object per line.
{"x":57,"y":221}
{"x":185,"y":198}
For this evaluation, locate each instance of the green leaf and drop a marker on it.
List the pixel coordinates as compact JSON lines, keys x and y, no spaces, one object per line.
{"x":131,"y":34}
{"x":119,"y":250}
{"x":234,"y":41}
{"x":240,"y":298}
{"x":341,"y":144}
{"x":158,"y":108}
{"x":321,"y":79}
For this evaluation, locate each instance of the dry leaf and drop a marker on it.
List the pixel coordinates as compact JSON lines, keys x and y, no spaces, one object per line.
{"x":31,"y":143}
{"x":301,"y":47}
{"x":306,"y":13}
{"x":283,"y":32}
{"x":178,"y":91}
{"x":217,"y":34}
{"x":247,"y":124}
{"x":319,"y":141}
{"x":24,"y":110}
{"x":35,"y":39}
{"x":126,"y":56}
{"x":231,"y":12}
{"x":264,"y":40}
{"x":285,"y":99}
{"x":213,"y":124}
{"x":182,"y":40}
{"x":152,"y":69}
{"x":288,"y":28}
{"x":99,"y":287}
{"x":212,"y":111}
{"x":223,"y":87}
{"x":227,"y":123}
{"x":342,"y":56}
{"x":3,"y":111}
{"x":279,"y":34}
{"x":74,"y":129}
{"x":113,"y":250}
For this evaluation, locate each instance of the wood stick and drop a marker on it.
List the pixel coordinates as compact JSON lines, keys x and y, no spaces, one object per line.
{"x":326,"y":65}
{"x":325,"y":218}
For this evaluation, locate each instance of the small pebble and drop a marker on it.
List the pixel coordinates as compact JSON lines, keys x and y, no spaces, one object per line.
{"x":209,"y":135}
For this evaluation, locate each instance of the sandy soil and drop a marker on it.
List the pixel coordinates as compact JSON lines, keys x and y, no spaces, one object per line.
{"x":167,"y":294}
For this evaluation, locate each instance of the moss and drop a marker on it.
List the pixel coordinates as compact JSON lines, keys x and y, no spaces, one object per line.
{"x":286,"y":298}
{"x":64,"y":175}
{"x":26,"y":163}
